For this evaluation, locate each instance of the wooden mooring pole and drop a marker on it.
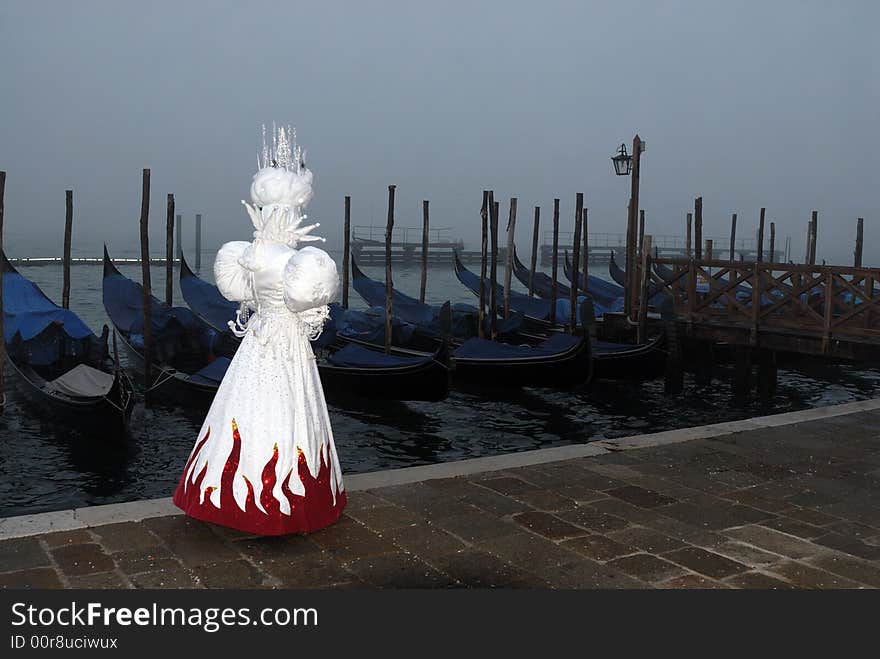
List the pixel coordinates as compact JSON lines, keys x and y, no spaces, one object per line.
{"x":698,"y":228}
{"x":585,"y":258}
{"x":760,"y":241}
{"x":732,"y":236}
{"x":484,"y":215}
{"x":169,"y":251}
{"x":508,"y":266}
{"x":346,"y":250}
{"x":198,"y":242}
{"x":688,"y":241}
{"x":860,"y":240}
{"x":2,"y":343}
{"x":814,"y":236}
{"x":180,"y":237}
{"x":643,"y":290}
{"x":423,"y":285}
{"x":575,"y":261}
{"x":773,"y":242}
{"x":709,"y":249}
{"x":389,"y":284}
{"x":68,"y":231}
{"x":494,"y":207}
{"x":147,"y":289}
{"x":641,"y":231}
{"x":555,"y":264}
{"x":533,"y":264}
{"x":632,"y":228}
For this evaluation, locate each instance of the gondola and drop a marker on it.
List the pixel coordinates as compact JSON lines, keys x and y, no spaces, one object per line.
{"x":535,"y":311}
{"x":425,"y":318}
{"x":59,"y":366}
{"x":562,"y":360}
{"x":656,"y":293}
{"x":189,"y":357}
{"x":356,"y":369}
{"x":606,"y":296}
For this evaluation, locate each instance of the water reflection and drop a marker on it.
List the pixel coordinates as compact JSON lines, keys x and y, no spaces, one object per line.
{"x":46,"y":467}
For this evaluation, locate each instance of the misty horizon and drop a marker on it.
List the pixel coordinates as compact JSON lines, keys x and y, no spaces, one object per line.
{"x":746,"y":106}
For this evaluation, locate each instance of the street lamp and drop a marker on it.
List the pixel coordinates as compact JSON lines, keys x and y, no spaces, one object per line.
{"x":622,"y":162}
{"x":629,"y":165}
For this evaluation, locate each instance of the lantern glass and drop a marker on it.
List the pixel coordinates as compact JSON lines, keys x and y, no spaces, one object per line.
{"x":622,"y":162}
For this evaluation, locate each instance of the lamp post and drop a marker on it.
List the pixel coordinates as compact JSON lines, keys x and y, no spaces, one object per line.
{"x":629,"y":165}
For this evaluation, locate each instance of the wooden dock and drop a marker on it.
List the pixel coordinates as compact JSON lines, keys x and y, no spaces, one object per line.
{"x":832,"y":311}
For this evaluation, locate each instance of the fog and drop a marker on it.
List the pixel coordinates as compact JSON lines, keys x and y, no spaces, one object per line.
{"x":748,"y":104}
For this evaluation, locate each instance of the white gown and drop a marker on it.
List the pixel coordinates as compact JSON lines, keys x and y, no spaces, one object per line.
{"x":265,"y":461}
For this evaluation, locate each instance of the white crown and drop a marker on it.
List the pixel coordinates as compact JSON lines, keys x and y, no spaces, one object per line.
{"x":284,"y":151}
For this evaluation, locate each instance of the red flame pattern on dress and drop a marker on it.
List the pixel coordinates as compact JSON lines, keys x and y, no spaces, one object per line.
{"x":308,"y":512}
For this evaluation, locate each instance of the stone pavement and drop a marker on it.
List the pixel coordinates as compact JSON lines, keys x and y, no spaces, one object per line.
{"x":792,"y":506}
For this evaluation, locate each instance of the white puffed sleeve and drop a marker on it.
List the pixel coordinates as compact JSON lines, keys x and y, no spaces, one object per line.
{"x":232,"y":278}
{"x":310,"y":280}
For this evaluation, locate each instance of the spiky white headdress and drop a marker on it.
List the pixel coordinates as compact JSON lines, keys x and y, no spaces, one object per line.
{"x":281,"y":188}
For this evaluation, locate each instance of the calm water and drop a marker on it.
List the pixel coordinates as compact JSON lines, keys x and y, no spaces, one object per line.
{"x":46,"y":467}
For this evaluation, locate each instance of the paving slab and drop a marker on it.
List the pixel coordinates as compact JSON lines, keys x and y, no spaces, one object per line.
{"x":790,"y":501}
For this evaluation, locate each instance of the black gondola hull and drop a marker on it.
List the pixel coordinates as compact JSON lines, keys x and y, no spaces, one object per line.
{"x":168,"y":386}
{"x":102,"y":417}
{"x":567,"y":369}
{"x":641,"y":362}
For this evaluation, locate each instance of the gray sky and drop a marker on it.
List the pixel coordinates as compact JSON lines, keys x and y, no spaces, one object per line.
{"x":744,"y":103}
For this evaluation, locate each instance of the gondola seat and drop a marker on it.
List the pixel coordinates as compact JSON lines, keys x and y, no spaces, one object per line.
{"x":82,"y":381}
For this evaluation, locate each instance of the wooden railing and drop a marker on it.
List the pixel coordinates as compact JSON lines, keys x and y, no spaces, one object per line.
{"x":832,"y":303}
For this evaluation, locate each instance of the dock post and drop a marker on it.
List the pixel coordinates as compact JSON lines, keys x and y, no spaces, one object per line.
{"x":585,"y":259}
{"x":533,"y":264}
{"x":493,"y":265}
{"x":773,"y":242}
{"x":698,"y":228}
{"x":575,"y":262}
{"x":425,"y":228}
{"x":198,"y":242}
{"x":346,"y":251}
{"x":642,"y":330}
{"x":68,"y":230}
{"x":767,"y":375}
{"x":860,"y":236}
{"x":484,"y":215}
{"x":641,"y":232}
{"x":508,"y":271}
{"x":732,"y":237}
{"x":145,"y":273}
{"x":555,"y":258}
{"x":632,"y":229}
{"x":169,"y":251}
{"x":389,"y":284}
{"x":814,"y":235}
{"x":2,"y":343}
{"x":688,"y":241}
{"x":742,"y":377}
{"x":760,"y":240}
{"x":709,"y":249}
{"x":180,"y":237}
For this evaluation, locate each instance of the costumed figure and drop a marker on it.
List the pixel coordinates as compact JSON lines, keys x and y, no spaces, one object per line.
{"x":264,"y":461}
